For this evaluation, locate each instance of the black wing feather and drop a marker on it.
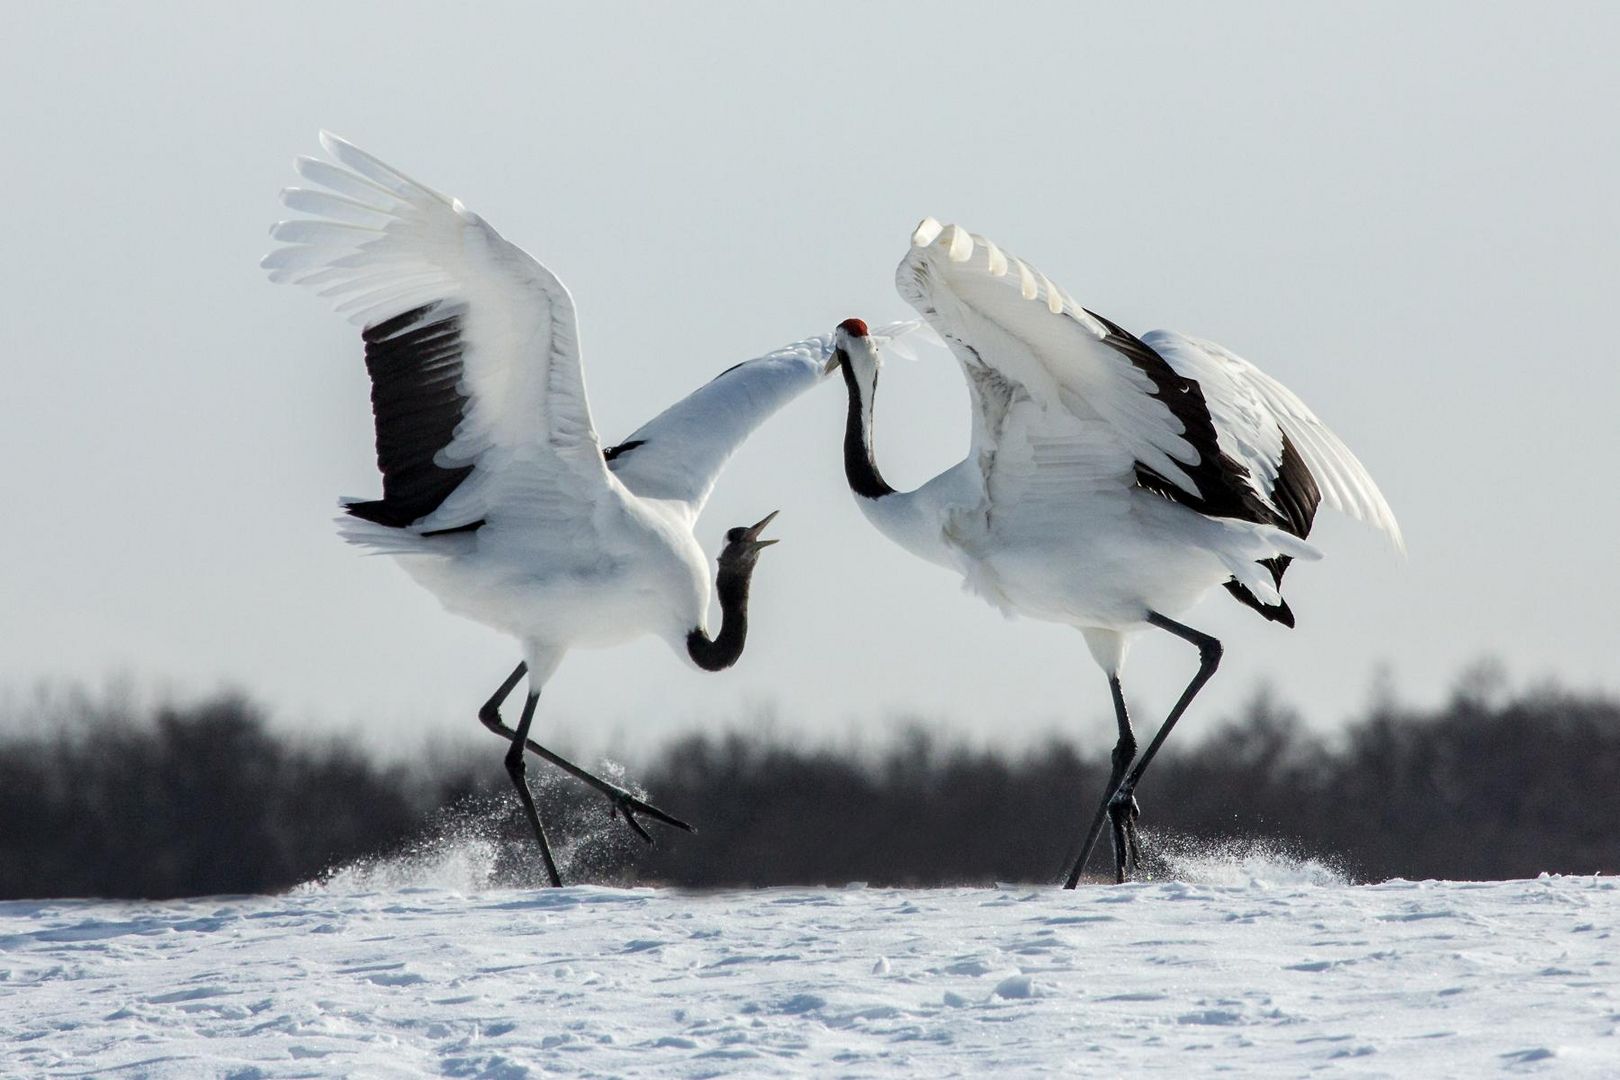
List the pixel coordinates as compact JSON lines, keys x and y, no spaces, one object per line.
{"x":415,"y":363}
{"x":1225,"y":488}
{"x":1295,"y":494}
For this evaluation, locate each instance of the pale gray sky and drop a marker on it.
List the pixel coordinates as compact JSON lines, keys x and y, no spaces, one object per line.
{"x":1407,"y":213}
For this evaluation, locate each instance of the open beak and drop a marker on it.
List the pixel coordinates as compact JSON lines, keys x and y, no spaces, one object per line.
{"x":751,"y":536}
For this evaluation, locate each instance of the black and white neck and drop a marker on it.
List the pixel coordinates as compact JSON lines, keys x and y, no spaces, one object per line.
{"x":857,"y":357}
{"x":737,"y":562}
{"x":721,"y":652}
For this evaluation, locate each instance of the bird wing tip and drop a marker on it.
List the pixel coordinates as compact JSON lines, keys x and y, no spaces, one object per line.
{"x":926,"y":232}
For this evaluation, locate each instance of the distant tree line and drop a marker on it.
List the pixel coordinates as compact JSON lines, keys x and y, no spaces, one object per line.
{"x":210,"y":799}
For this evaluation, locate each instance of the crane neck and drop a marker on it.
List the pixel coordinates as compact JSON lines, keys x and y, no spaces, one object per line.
{"x":721,"y":652}
{"x":860,"y":468}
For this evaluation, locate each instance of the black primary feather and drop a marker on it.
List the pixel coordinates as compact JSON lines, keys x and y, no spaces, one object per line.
{"x":415,"y":363}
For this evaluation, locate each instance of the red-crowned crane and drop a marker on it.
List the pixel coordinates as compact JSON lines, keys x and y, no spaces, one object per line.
{"x":1112,"y":480}
{"x":498,"y":496}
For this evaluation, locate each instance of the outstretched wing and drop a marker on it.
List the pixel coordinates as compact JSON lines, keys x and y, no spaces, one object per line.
{"x":678,"y":454}
{"x":1081,"y":403}
{"x":1293,"y":456}
{"x":477,"y":390}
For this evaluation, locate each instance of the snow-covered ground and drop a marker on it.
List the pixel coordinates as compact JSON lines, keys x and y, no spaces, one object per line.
{"x":1257,"y":967}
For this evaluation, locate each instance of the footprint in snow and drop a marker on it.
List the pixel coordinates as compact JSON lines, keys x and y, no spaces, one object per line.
{"x":1017,"y":987}
{"x":394,"y":978}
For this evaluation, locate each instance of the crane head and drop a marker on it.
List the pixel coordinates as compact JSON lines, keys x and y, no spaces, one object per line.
{"x":853,"y":344}
{"x":743,"y":545}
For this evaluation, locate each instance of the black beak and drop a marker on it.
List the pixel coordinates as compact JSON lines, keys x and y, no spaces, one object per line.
{"x":750,"y":536}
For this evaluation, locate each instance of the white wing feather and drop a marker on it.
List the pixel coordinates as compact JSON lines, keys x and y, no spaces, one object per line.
{"x":681,"y":451}
{"x":380,"y":244}
{"x":1244,"y":424}
{"x":1249,"y":405}
{"x":1057,"y":408}
{"x":678,"y":454}
{"x":996,"y":311}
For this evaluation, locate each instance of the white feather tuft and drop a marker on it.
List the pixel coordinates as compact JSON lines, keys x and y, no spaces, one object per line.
{"x":925,"y":233}
{"x":1054,"y":299}
{"x":901,"y":338}
{"x":994,"y":259}
{"x":1026,"y":281}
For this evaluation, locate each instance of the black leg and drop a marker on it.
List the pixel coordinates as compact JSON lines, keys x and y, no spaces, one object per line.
{"x":623,"y":802}
{"x":1123,"y":815}
{"x":1124,"y":828}
{"x":1121,"y":800}
{"x":515,"y":769}
{"x":1209,"y":658}
{"x":492,"y":708}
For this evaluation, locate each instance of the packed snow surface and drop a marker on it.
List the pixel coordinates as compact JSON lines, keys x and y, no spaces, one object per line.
{"x":1257,"y":970}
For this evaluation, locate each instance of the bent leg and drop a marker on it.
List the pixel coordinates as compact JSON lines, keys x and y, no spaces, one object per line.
{"x":623,"y":802}
{"x":1121,"y":803}
{"x":516,"y":769}
{"x":1209,"y":658}
{"x":490,"y":712}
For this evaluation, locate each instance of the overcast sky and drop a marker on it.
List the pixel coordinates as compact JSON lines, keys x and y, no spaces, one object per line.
{"x":1407,"y":213}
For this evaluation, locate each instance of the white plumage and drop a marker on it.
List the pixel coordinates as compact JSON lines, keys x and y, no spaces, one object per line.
{"x":497,"y":494}
{"x":1252,"y":412}
{"x":1111,"y":481}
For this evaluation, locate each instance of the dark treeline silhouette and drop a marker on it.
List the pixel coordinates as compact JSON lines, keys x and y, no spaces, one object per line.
{"x":208,"y":799}
{"x":188,"y":801}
